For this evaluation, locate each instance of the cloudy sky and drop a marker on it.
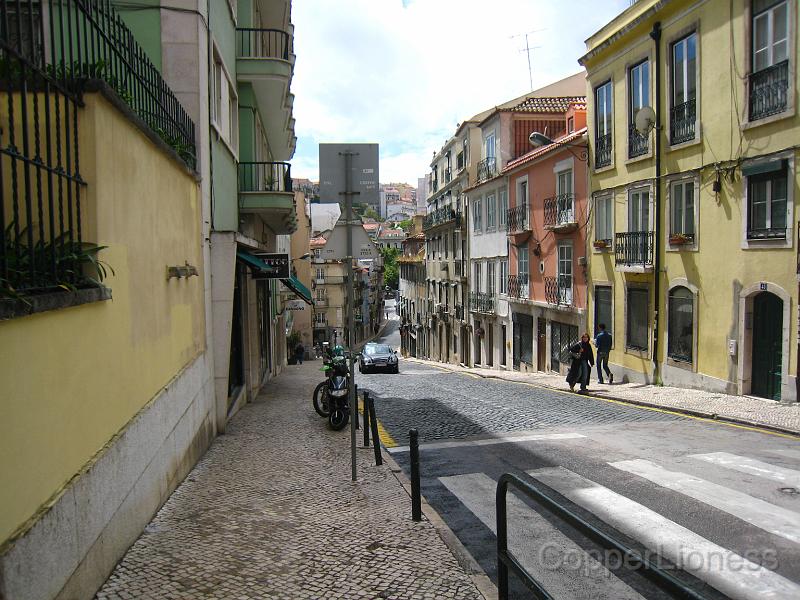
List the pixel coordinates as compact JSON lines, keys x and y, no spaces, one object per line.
{"x":404,"y":73}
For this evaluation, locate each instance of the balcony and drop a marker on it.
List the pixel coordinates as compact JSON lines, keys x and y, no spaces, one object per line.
{"x":448,"y":175}
{"x":481,"y":303}
{"x":458,"y":312}
{"x":460,"y":162}
{"x":769,"y":91}
{"x":517,"y":219}
{"x":638,"y":144}
{"x":682,"y":119}
{"x":558,"y":290}
{"x":441,"y":216}
{"x":559,"y":213}
{"x":602,"y":151}
{"x":265,"y":60}
{"x":460,"y":269}
{"x":633,"y":251}
{"x":265,"y":189}
{"x":487,"y":168}
{"x":517,"y":286}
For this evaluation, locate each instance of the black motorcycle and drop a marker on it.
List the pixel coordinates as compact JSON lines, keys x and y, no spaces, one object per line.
{"x":331,"y":397}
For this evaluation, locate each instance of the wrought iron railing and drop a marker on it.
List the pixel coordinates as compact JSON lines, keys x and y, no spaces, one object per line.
{"x":558,"y":290}
{"x":638,"y":144}
{"x":559,"y":210}
{"x":682,"y":119}
{"x":265,"y":177}
{"x":634,"y":248}
{"x":262,"y":43}
{"x":487,"y":168}
{"x":518,"y":286}
{"x":440,"y":216}
{"x":481,"y":302}
{"x":517,"y":219}
{"x":602,"y":150}
{"x":769,"y":91}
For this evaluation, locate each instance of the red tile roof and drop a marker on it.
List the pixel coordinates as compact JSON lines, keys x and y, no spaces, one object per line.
{"x":546,"y":104}
{"x":557,"y":144}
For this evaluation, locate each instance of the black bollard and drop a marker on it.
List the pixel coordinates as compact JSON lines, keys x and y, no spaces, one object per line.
{"x":416,"y":500}
{"x":366,"y":419}
{"x":376,"y":440}
{"x":355,"y":386}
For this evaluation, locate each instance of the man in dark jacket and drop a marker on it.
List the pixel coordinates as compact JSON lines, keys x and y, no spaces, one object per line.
{"x":582,"y":361}
{"x":603,"y":342}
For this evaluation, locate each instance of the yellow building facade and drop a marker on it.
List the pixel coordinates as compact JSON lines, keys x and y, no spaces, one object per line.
{"x":693,"y":148}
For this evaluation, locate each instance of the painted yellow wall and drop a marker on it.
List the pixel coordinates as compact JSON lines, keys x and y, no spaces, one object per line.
{"x":71,"y":379}
{"x":719,"y":267}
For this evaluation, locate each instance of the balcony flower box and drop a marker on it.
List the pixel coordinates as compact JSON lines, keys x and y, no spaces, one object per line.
{"x":600,"y":244}
{"x":680,"y":239}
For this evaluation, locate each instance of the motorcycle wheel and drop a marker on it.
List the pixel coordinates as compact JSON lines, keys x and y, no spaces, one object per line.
{"x":321,"y":399}
{"x":338,"y":418}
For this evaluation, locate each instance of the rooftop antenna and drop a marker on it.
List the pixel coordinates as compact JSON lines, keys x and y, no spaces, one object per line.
{"x":527,"y":51}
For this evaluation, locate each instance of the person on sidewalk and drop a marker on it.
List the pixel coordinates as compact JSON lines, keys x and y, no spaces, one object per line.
{"x":581,"y":365}
{"x":603,"y":342}
{"x":299,"y":353}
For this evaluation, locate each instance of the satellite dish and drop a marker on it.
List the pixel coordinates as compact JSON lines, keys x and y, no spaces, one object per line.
{"x":644,"y":120}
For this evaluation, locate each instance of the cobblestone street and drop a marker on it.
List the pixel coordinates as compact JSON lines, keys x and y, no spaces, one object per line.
{"x":270,"y":512}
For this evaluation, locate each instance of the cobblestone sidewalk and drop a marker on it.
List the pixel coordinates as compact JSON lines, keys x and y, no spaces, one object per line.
{"x":270,"y":512}
{"x":740,"y":409}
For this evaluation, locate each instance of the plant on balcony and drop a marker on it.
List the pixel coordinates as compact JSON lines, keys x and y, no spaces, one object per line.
{"x":678,"y":239}
{"x":600,"y":244}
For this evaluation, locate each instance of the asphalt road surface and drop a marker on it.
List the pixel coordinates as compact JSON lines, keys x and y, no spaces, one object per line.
{"x":717,"y":506}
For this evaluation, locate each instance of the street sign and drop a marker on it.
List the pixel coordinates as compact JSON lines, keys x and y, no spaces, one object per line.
{"x":279,"y":262}
{"x":364,"y":170}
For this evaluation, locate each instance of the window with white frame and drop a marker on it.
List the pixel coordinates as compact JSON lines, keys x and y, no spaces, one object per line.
{"x":638,"y":98}
{"x":502,"y":207}
{"x":636,"y":319}
{"x":320,"y":274}
{"x":767,"y":201}
{"x":681,"y":198}
{"x":564,"y":273}
{"x":603,"y":123}
{"x":490,"y":280}
{"x":224,"y":104}
{"x":604,"y":220}
{"x":491,"y":207}
{"x":504,"y":276}
{"x":770,"y":44}
{"x":477,"y":215}
{"x":565,"y":200}
{"x":522,"y":262}
{"x":477,"y":269}
{"x":489,"y":145}
{"x":683,"y":108}
{"x":639,"y":210}
{"x":680,"y":333}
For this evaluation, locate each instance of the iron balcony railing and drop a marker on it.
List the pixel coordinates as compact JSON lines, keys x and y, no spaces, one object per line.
{"x":517,"y":219}
{"x":638,"y":144}
{"x":265,"y":177}
{"x":602,"y":150}
{"x":481,"y":302}
{"x":440,"y":216}
{"x":558,"y":290}
{"x":634,"y":248}
{"x":262,"y":43}
{"x":769,"y":91}
{"x":559,"y":210}
{"x":518,"y":286}
{"x":682,"y":119}
{"x":487,"y":168}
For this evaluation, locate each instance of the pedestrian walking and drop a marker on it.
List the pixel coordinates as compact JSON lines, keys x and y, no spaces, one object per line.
{"x":299,"y":352}
{"x":603,"y":343}
{"x":582,"y":361}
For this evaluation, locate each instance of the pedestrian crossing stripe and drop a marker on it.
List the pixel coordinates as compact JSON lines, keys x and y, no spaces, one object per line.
{"x":751,"y":466}
{"x":507,"y":439}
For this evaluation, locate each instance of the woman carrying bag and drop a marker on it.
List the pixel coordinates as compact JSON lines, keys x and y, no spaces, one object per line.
{"x":582,"y":363}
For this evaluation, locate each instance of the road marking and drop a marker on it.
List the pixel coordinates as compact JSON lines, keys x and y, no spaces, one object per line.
{"x":752,"y":466}
{"x":559,"y":564}
{"x":755,"y":511}
{"x":727,"y":571}
{"x":508,"y":439}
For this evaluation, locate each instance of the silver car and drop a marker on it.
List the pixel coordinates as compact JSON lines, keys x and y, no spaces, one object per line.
{"x":378,"y":357}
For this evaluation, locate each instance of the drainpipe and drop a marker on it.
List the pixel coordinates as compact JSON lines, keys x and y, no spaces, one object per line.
{"x":656,"y":35}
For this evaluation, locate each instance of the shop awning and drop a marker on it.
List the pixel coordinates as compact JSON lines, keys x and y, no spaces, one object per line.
{"x":254,"y":262}
{"x":301,"y":291}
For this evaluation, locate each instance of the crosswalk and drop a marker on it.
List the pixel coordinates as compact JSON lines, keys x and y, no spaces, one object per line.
{"x":569,"y":571}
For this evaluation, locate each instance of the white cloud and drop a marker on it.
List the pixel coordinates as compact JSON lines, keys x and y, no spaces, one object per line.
{"x":374,"y":71}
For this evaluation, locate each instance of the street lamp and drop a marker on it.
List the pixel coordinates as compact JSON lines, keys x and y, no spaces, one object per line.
{"x":539,"y":140}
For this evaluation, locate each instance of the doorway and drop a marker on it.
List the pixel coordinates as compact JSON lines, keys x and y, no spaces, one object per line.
{"x":767,"y":346}
{"x":490,"y":345}
{"x":541,"y":344}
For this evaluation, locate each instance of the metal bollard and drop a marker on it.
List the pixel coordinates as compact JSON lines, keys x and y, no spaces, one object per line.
{"x":355,"y":387}
{"x":366,"y":419}
{"x":376,"y":440}
{"x":416,"y":500}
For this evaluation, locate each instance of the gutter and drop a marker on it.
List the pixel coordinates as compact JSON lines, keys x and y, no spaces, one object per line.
{"x":656,"y":35}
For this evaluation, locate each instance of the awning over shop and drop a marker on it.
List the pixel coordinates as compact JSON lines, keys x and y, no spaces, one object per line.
{"x":254,"y":262}
{"x":301,"y":291}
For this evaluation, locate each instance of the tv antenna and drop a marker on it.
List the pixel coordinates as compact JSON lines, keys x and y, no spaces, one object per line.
{"x":527,"y":50}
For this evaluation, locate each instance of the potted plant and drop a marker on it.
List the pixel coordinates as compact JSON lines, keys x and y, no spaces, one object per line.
{"x":600,"y":244}
{"x":679,"y":239}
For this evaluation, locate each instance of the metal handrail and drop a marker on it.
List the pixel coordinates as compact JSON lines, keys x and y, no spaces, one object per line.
{"x":265,"y":177}
{"x":506,"y":561}
{"x":262,"y":43}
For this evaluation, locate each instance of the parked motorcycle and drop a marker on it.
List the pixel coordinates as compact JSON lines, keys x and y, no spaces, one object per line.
{"x":331,"y":396}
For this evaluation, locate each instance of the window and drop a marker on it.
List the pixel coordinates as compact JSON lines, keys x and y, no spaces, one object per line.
{"x":683,"y":112}
{"x":637,"y":327}
{"x":489,"y":146}
{"x":562,"y":337}
{"x":490,"y":278}
{"x":491,"y":206}
{"x":504,"y":276}
{"x":476,"y":267}
{"x":224,"y":104}
{"x":320,"y":294}
{"x":522,"y":193}
{"x":638,"y":98}
{"x":320,"y":273}
{"x":603,"y":120}
{"x":502,"y":208}
{"x":682,"y":209}
{"x":522,"y":262}
{"x":603,"y":308}
{"x":767,"y":205}
{"x":570,"y":124}
{"x":564,"y":201}
{"x":680,"y":341}
{"x":639,"y":210}
{"x":604,"y":219}
{"x":769,"y":81}
{"x":477,"y":214}
{"x":564,"y":280}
